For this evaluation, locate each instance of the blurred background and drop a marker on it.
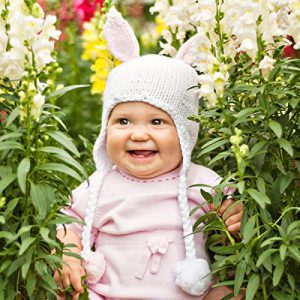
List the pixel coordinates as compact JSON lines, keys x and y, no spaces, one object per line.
{"x":82,"y":107}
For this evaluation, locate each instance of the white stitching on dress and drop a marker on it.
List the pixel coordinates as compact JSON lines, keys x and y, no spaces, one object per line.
{"x":146,"y":181}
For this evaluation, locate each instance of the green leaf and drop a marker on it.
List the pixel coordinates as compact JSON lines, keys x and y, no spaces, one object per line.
{"x":25,"y":244}
{"x":15,"y":265}
{"x":197,"y":207}
{"x":200,"y":220}
{"x":249,"y":230}
{"x":64,"y":140}
{"x":261,"y":185}
{"x":284,"y":144}
{"x":292,"y":226}
{"x":212,"y":142}
{"x":276,"y":128}
{"x":260,"y":198}
{"x":271,"y":241}
{"x":59,"y":93}
{"x":252,"y":286}
{"x":207,"y":196}
{"x":66,"y":157}
{"x":10,"y":145}
{"x":267,"y":263}
{"x":212,"y":147}
{"x":23,"y":170}
{"x":8,"y":236}
{"x":4,"y":266}
{"x":246,"y":112}
{"x":286,"y":181}
{"x":59,"y":168}
{"x":282,"y":251}
{"x":12,"y":116}
{"x":42,"y":196}
{"x":12,"y":135}
{"x":278,"y":271}
{"x":26,"y":265}
{"x":264,"y":256}
{"x":30,"y":284}
{"x":259,"y":148}
{"x":45,"y":235}
{"x":291,"y":281}
{"x":241,"y":187}
{"x":294,"y":251}
{"x":72,"y":254}
{"x":239,"y":276}
{"x":222,"y":155}
{"x":41,"y":268}
{"x":6,"y":181}
{"x":11,"y":206}
{"x":294,"y":102}
{"x":24,"y":229}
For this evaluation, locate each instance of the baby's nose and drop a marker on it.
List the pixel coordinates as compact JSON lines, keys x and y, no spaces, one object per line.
{"x":139,"y":133}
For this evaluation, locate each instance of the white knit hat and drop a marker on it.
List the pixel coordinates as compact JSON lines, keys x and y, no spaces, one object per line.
{"x":169,"y":84}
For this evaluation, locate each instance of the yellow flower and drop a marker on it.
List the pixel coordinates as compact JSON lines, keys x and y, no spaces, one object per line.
{"x":102,"y":66}
{"x":95,"y":48}
{"x":161,"y":25}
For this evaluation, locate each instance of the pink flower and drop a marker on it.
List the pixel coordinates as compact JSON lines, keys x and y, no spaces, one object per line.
{"x":85,"y":9}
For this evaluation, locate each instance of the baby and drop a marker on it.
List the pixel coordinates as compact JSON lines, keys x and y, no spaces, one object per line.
{"x":136,"y":205}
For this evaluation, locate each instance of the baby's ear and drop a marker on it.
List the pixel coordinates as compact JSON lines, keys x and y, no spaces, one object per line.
{"x":120,"y":37}
{"x":188,"y":51}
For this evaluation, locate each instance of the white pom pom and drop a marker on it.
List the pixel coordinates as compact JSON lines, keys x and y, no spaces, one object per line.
{"x":94,"y":265}
{"x":192,"y":276}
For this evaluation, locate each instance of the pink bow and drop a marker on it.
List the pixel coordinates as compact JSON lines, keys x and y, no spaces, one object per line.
{"x":156,"y":247}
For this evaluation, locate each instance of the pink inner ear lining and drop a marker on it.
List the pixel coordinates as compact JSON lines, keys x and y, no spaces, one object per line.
{"x":186,"y":48}
{"x":120,"y":37}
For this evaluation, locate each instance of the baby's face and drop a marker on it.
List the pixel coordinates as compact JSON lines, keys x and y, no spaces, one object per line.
{"x":142,"y":140}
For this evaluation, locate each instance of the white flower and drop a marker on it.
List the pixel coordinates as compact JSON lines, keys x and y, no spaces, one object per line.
{"x":11,"y":65}
{"x":36,"y":108}
{"x":160,"y":7}
{"x":266,"y":65}
{"x":219,"y":83}
{"x":167,"y":47}
{"x":207,"y":89}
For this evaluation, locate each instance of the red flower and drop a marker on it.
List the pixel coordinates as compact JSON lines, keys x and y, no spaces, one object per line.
{"x":289,"y":51}
{"x":85,"y":9}
{"x":42,"y":3}
{"x":3,"y":114}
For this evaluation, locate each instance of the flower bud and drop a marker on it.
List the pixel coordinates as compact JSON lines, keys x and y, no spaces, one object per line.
{"x":238,"y":131}
{"x":37,"y":11}
{"x":244,"y":150}
{"x":2,"y":202}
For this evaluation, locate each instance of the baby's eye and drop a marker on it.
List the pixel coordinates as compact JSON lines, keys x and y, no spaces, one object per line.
{"x":156,"y":122}
{"x":123,"y":121}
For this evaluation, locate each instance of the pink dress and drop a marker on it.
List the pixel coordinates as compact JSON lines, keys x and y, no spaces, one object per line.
{"x":137,"y":227}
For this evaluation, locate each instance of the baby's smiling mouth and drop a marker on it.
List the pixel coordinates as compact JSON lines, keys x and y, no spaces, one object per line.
{"x":142,"y":153}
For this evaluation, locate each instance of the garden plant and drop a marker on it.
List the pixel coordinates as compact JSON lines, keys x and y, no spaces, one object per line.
{"x":247,"y":57}
{"x":38,"y":159}
{"x":249,"y":115}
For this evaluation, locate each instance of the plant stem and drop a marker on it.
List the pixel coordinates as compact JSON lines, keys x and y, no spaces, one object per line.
{"x":218,"y":28}
{"x":263,"y":286}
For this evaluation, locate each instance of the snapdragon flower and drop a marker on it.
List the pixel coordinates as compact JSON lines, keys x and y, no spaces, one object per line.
{"x":230,"y":30}
{"x":26,"y":45}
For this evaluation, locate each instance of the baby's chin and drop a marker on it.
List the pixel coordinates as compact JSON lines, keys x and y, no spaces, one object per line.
{"x":148,"y":174}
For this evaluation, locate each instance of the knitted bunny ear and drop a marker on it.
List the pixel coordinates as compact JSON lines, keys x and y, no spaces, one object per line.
{"x":188,"y":51}
{"x":120,"y":37}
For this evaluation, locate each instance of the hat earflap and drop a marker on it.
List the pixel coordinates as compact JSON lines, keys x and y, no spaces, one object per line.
{"x":192,"y":274}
